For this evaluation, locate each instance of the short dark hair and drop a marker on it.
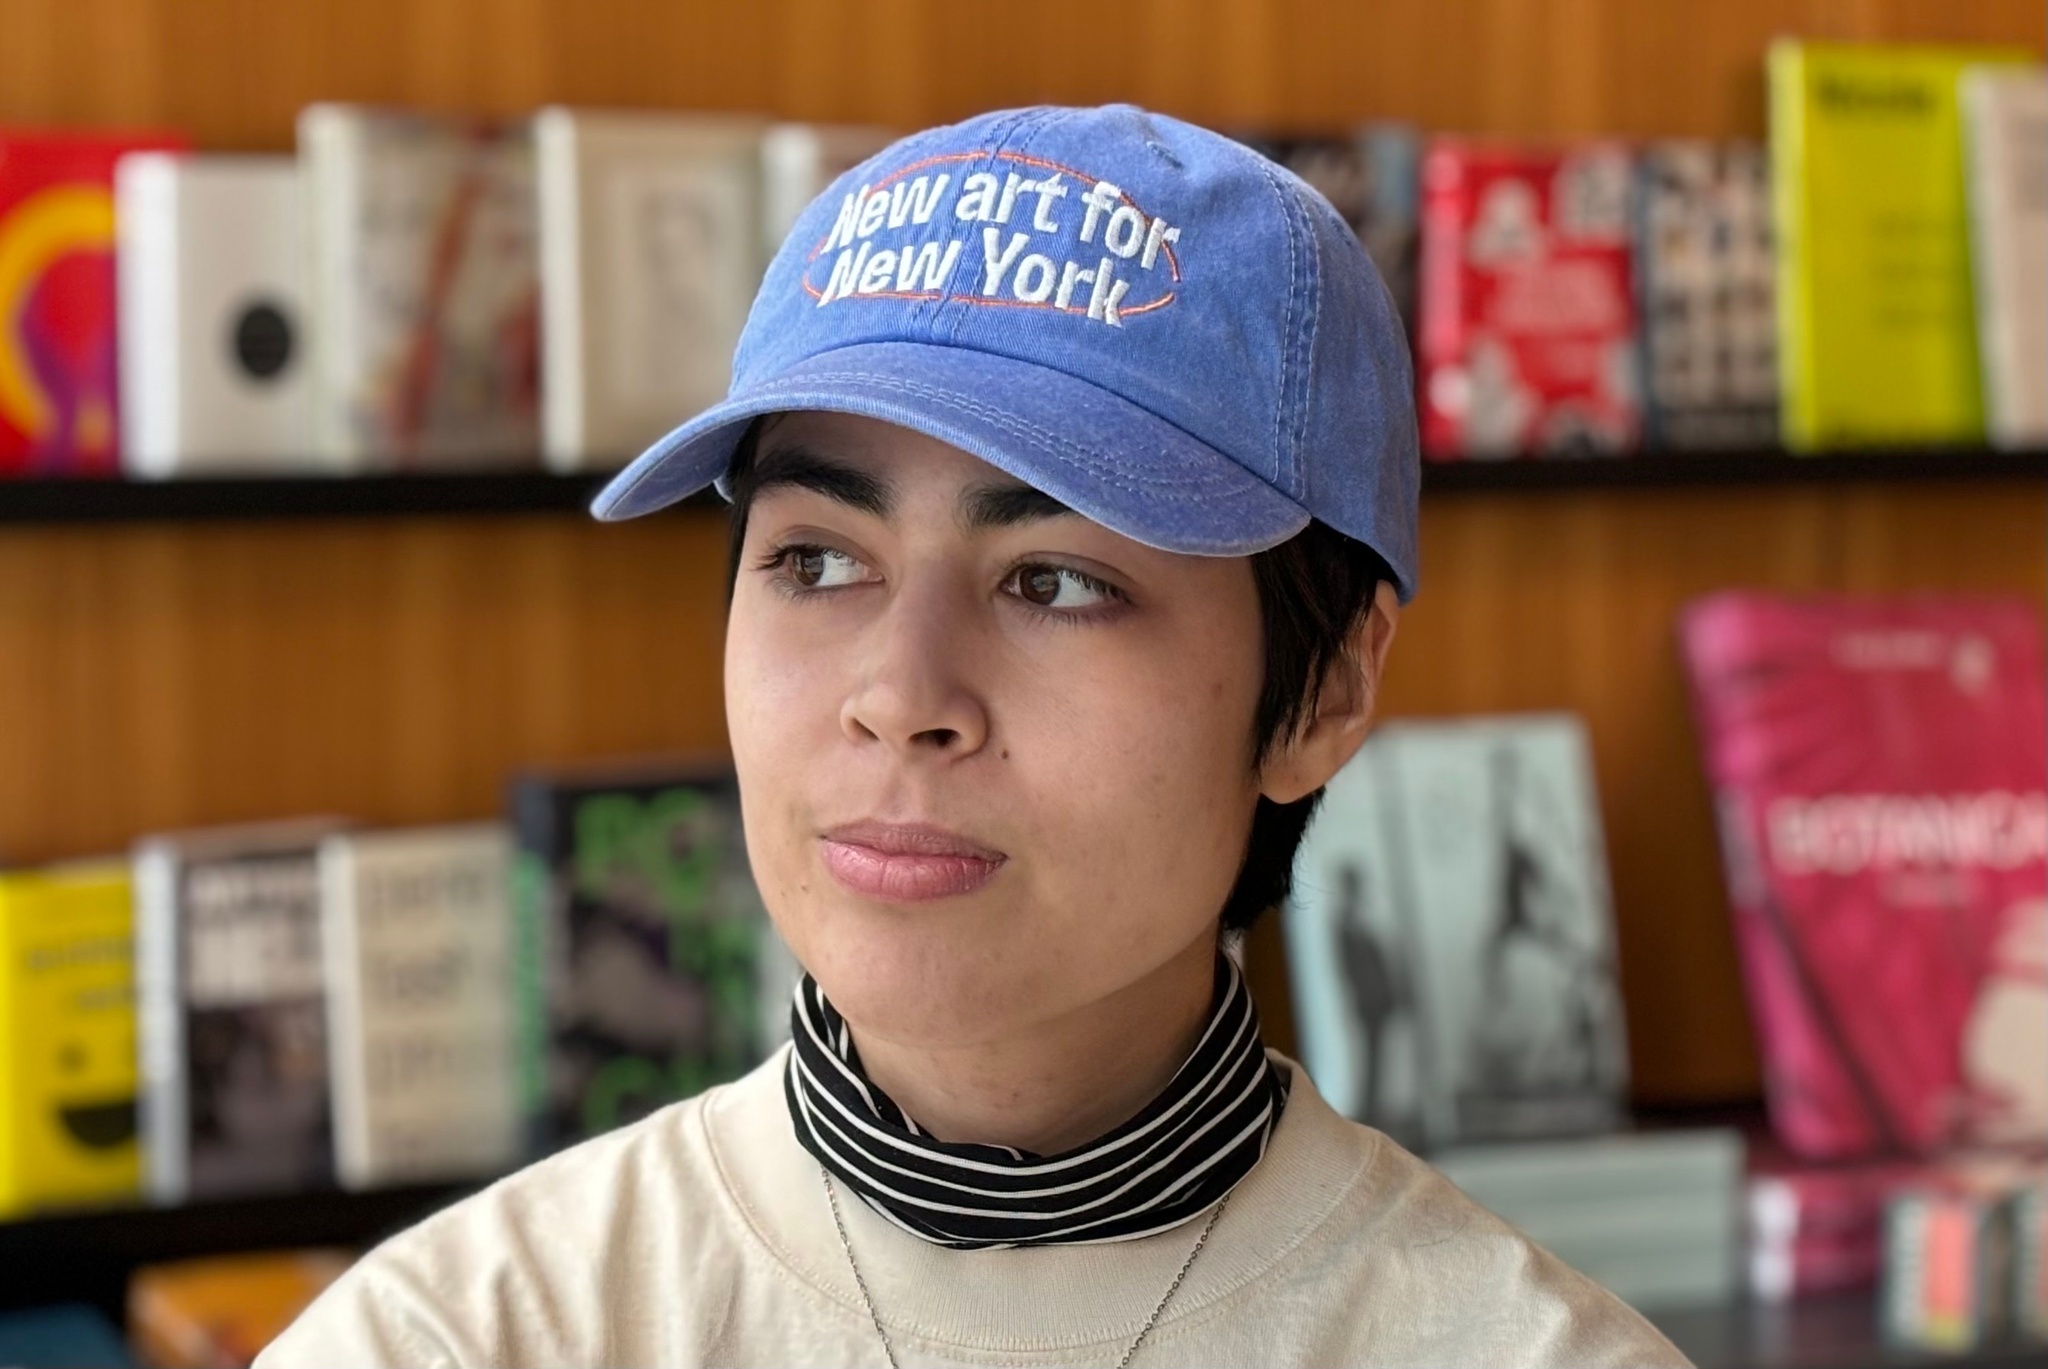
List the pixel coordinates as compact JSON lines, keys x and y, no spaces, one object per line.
{"x":1314,"y":589}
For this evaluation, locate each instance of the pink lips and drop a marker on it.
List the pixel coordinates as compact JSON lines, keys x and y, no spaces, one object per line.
{"x":907,"y":863}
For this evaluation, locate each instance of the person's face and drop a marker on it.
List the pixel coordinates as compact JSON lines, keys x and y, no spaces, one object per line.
{"x":995,"y":760}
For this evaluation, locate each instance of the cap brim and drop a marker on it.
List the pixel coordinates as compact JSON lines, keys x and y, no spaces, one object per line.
{"x":1096,"y":452}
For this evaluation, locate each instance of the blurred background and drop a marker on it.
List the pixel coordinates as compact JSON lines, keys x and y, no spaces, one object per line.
{"x":1705,"y":845}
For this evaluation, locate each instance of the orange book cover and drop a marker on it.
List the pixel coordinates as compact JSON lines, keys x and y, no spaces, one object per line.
{"x":219,"y":1313}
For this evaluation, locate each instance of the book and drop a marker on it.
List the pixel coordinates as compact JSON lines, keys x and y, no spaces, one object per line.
{"x":59,"y":385}
{"x":417,"y":941}
{"x":1652,"y":1215}
{"x":67,"y":1336}
{"x":67,"y":1037}
{"x":219,"y":1312}
{"x":650,"y":234}
{"x":1450,"y":935}
{"x":650,"y":970}
{"x":1878,"y":768}
{"x":1704,"y":276}
{"x":1371,"y":177}
{"x":2005,"y":120}
{"x":232,"y":999}
{"x":798,"y":161}
{"x":1526,"y":320}
{"x":211,"y":313}
{"x":1877,"y":337}
{"x":1950,"y":1255}
{"x":423,"y":281}
{"x":1818,"y":1229}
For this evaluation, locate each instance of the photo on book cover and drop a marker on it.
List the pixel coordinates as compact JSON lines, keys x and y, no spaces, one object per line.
{"x":1451,"y":936}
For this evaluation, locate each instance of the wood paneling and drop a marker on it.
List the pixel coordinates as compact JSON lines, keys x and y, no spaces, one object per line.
{"x":155,"y":676}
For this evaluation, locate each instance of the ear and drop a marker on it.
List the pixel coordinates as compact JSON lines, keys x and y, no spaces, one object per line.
{"x":1343,"y":715}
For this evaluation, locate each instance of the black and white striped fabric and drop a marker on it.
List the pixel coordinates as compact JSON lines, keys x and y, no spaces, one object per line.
{"x":1175,"y":1160}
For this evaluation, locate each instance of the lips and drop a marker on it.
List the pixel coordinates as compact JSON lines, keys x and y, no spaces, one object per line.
{"x":907,"y":862}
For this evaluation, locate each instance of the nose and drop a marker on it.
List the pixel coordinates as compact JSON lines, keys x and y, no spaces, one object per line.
{"x":917,"y":693}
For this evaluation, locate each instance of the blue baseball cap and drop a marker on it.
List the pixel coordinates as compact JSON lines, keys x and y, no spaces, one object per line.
{"x":1150,"y":322}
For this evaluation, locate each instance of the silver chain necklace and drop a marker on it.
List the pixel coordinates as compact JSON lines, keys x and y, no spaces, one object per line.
{"x":889,"y":1349}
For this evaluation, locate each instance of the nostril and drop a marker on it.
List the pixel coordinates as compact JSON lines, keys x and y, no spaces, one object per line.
{"x":939,"y":737}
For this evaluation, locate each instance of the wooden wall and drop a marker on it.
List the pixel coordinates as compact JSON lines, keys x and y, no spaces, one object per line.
{"x":162,"y":675}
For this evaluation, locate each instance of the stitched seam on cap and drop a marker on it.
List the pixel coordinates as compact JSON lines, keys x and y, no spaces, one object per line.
{"x":1053,"y":445}
{"x":1280,"y":455}
{"x":1019,"y":128}
{"x":1297,"y":486}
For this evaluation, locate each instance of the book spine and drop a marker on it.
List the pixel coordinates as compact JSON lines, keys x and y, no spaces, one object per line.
{"x":13,"y":1088}
{"x":1786,"y":76}
{"x":330,"y":158}
{"x":160,"y":1020}
{"x":1441,"y":329}
{"x":564,"y":403}
{"x":146,"y":301}
{"x":340,"y":949}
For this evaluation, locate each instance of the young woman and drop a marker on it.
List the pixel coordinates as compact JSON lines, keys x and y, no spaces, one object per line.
{"x":1073,"y":466}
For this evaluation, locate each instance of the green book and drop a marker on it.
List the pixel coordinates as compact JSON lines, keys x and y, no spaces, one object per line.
{"x":1877,"y":325}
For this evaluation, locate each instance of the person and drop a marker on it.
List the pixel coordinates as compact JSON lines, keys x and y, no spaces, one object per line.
{"x":1073,"y":472}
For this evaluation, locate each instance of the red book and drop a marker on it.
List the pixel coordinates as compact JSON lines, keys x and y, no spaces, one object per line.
{"x":1526,"y":343}
{"x":57,"y":383}
{"x":1879,"y":769}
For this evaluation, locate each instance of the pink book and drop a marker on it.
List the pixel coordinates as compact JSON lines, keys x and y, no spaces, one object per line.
{"x":1878,"y":769}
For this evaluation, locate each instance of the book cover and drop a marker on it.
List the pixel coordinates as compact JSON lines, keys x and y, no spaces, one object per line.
{"x":1371,"y":177}
{"x":1877,"y":331}
{"x":1451,"y":938}
{"x":417,"y":940}
{"x":651,"y":970}
{"x":1527,"y":312}
{"x":67,"y":1038}
{"x":212,"y":315}
{"x":232,"y":1001}
{"x":2005,"y":120}
{"x":798,"y":161}
{"x":1704,"y":277}
{"x":67,"y":1336}
{"x":423,"y":276}
{"x":221,"y":1311}
{"x":650,"y":228}
{"x":59,"y":386}
{"x":1816,"y":1229}
{"x":1878,"y":768}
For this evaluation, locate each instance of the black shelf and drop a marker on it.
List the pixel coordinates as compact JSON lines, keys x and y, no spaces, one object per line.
{"x":448,"y":494}
{"x":1837,"y":1332}
{"x":88,"y":1255}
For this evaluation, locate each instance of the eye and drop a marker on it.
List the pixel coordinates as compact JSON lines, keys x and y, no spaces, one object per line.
{"x":1058,"y":587}
{"x":822,"y":567}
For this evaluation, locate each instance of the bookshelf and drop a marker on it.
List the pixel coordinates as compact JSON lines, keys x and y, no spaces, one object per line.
{"x":442,"y":494}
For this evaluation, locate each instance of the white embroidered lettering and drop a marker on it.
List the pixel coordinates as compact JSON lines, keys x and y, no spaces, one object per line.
{"x":977,"y":198}
{"x":875,"y":276}
{"x":924,"y":200}
{"x":1071,"y":275}
{"x":1100,"y":199}
{"x":1033,"y":281}
{"x":925,"y":269}
{"x":1126,"y":232}
{"x":842,"y":227}
{"x":1156,"y":235}
{"x":997,"y":264}
{"x":845,"y":272}
{"x":872,"y":213}
{"x":1098,"y":298}
{"x":1011,"y":185}
{"x":899,"y":204}
{"x":1050,"y":189}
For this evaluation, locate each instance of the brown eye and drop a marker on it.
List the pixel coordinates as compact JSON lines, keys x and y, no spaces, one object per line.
{"x":1039,"y":585}
{"x":807,"y":566}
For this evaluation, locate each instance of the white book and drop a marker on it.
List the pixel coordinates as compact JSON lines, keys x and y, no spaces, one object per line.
{"x":418,"y":943}
{"x":650,"y":256}
{"x":423,"y":278}
{"x":798,"y":161}
{"x":211,"y":308}
{"x":2005,"y":120}
{"x":1451,"y":936}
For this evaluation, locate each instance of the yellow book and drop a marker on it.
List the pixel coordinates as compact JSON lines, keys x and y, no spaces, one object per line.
{"x":1877,"y":327}
{"x":67,"y":1038}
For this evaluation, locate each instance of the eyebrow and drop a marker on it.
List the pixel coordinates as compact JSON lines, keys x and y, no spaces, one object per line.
{"x":982,"y":507}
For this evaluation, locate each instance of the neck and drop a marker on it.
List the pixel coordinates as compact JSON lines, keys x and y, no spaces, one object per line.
{"x":1062,"y":1082}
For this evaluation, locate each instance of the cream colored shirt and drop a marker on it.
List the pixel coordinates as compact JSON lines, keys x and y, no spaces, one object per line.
{"x":701,"y":1236}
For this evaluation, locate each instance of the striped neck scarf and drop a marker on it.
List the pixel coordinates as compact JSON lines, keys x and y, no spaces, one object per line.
{"x":1175,"y":1160}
